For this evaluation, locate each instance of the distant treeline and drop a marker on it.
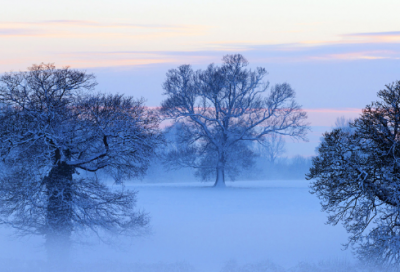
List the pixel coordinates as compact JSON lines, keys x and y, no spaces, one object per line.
{"x":281,"y":169}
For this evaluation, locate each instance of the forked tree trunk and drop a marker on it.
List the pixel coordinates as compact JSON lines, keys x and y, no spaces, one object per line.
{"x":59,"y":214}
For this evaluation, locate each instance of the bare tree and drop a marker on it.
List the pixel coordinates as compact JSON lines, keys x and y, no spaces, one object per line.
{"x":182,"y":154}
{"x":222,"y":106}
{"x":344,"y":124}
{"x":272,"y":147}
{"x":356,"y":175}
{"x":52,"y":126}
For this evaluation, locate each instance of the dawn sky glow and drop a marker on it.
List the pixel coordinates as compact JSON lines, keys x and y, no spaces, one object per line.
{"x":103,"y":33}
{"x":335,"y":54}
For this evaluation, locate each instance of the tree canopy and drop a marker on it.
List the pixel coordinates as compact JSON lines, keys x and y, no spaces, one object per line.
{"x":52,"y":128}
{"x":356,"y":175}
{"x":222,"y":108}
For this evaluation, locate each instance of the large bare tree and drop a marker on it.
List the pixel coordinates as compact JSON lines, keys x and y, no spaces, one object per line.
{"x":222,"y":107}
{"x":53,"y":127}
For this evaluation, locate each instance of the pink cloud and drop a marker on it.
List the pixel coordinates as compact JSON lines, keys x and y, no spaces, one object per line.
{"x":374,"y":34}
{"x":20,"y":32}
{"x":327,"y":117}
{"x":95,"y":24}
{"x":316,"y":117}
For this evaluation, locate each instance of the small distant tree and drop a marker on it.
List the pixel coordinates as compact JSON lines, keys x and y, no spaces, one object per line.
{"x":273,"y":147}
{"x":356,"y":175}
{"x":222,"y":107}
{"x":344,"y":124}
{"x":52,"y":127}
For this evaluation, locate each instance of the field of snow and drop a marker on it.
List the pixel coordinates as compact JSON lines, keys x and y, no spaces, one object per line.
{"x":249,"y":222}
{"x":199,"y":226}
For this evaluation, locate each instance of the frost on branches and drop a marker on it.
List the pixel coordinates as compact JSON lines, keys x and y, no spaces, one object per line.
{"x":357,"y":177}
{"x":52,"y":126}
{"x":221,"y":109}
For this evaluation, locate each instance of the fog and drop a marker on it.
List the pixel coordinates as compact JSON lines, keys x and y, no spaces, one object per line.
{"x":263,"y":169}
{"x":252,"y":225}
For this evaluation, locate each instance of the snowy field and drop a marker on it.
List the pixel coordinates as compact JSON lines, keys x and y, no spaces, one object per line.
{"x":200,"y":228}
{"x":248,"y":222}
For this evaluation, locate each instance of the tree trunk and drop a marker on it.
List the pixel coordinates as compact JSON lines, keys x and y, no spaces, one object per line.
{"x":59,"y":214}
{"x":220,"y":181}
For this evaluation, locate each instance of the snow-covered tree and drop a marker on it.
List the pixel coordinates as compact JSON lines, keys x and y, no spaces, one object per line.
{"x":52,"y":127}
{"x":222,"y":107}
{"x":181,"y":154}
{"x":357,"y":177}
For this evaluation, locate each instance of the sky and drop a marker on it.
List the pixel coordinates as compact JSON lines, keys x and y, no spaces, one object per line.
{"x":335,"y":54}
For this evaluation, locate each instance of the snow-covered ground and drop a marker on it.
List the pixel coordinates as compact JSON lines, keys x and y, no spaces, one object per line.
{"x":205,"y":227}
{"x":250,"y":221}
